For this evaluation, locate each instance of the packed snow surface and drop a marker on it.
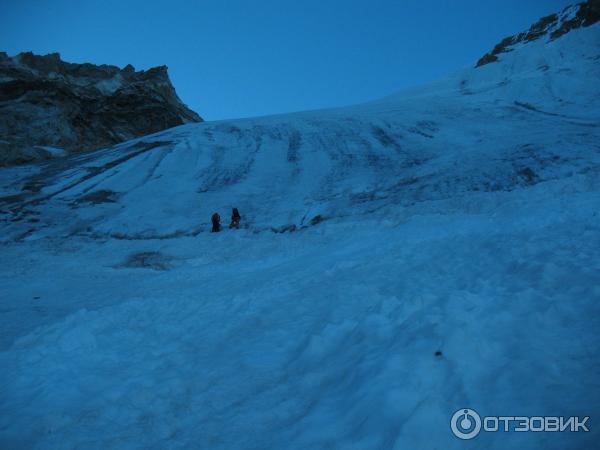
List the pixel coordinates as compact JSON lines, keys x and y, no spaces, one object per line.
{"x":435,"y":250}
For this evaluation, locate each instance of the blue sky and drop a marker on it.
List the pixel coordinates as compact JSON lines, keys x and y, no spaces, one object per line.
{"x":238,"y":58}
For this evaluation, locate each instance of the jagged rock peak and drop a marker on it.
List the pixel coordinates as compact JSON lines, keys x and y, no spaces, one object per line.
{"x":551,"y":27}
{"x":52,"y":64}
{"x":49,"y":106}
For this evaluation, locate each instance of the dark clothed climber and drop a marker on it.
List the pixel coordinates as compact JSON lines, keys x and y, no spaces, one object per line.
{"x":216,"y":223}
{"x":235,"y":219}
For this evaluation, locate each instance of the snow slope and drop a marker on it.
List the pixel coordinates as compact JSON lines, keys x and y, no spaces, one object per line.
{"x":430,"y":251}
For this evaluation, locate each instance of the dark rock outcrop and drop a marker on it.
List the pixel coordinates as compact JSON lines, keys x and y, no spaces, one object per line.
{"x":553,"y":26}
{"x":50,"y":107}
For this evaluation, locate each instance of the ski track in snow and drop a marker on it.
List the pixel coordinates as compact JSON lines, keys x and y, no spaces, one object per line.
{"x":461,"y":218}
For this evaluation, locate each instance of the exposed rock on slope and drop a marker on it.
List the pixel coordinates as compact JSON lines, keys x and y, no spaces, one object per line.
{"x":554,"y":26}
{"x":49,"y":107}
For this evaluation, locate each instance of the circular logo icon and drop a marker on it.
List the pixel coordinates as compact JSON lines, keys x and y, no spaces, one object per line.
{"x":465,"y":423}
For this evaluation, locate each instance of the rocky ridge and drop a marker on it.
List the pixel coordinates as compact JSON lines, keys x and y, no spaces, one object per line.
{"x":552,"y":27}
{"x":49,"y":107}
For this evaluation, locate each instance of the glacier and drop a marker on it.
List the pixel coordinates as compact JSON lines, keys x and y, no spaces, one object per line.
{"x":398,"y":260}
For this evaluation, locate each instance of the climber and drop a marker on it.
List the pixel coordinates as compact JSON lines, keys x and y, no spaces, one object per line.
{"x":216,"y":223}
{"x":235,"y":219}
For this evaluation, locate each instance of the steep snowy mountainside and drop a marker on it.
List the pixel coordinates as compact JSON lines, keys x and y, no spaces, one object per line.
{"x":529,"y":119}
{"x":558,"y":75}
